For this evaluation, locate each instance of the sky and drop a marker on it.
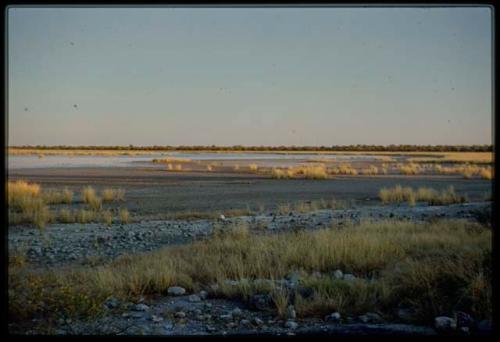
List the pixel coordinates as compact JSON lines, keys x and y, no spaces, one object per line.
{"x":249,"y":76}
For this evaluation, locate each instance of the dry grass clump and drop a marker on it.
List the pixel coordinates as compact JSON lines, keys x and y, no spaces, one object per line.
{"x":86,"y":216}
{"x":399,"y":194}
{"x":304,"y":171}
{"x":66,"y":216}
{"x":312,"y":172}
{"x":210,"y":168}
{"x":178,"y":167}
{"x":90,"y":198}
{"x":371,"y":170}
{"x":26,"y":205}
{"x":308,"y":206}
{"x":20,"y":192}
{"x":486,"y":173}
{"x":435,"y":268}
{"x":253,"y":167}
{"x":124,"y":215}
{"x":409,"y":169}
{"x":236,"y":167}
{"x":447,"y":197}
{"x":58,"y":197}
{"x":384,"y":168}
{"x":107,"y":217}
{"x":466,"y":170}
{"x":110,"y":195}
{"x":344,"y":169}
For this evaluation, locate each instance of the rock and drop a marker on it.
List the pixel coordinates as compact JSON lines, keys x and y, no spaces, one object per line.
{"x":203,"y":294}
{"x":236,"y":312}
{"x":176,"y":291}
{"x":194,"y":298}
{"x":210,"y":329}
{"x":180,"y":314}
{"x":371,"y":317}
{"x":291,"y":324}
{"x":338,"y":274}
{"x":290,"y":312}
{"x":443,"y":323}
{"x":349,"y":277}
{"x":156,"y":319}
{"x":333,"y":317}
{"x":258,"y":321}
{"x":141,"y":307}
{"x":245,"y":323}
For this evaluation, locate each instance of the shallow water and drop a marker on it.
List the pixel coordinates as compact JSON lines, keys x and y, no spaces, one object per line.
{"x":33,"y":161}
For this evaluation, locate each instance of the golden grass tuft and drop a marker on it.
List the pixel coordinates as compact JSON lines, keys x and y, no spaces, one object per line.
{"x":486,"y":173}
{"x":111,"y":195}
{"x":66,"y":216}
{"x":124,"y":215}
{"x":58,"y":197}
{"x":399,"y":194}
{"x":253,"y":167}
{"x":86,"y":216}
{"x":370,"y":171}
{"x":409,"y":169}
{"x":303,"y":171}
{"x":107,"y":217}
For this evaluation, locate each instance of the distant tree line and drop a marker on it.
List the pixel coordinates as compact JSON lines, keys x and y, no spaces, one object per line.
{"x":353,"y":148}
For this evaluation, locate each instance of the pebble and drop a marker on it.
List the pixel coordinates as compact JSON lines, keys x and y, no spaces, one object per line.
{"x":141,"y":307}
{"x":291,"y":324}
{"x":338,"y":274}
{"x":176,"y":291}
{"x":443,"y":323}
{"x":194,"y":298}
{"x":333,"y":317}
{"x":245,"y":323}
{"x":236,"y":312}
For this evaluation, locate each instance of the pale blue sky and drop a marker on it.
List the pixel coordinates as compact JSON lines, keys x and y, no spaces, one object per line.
{"x":250,"y":76}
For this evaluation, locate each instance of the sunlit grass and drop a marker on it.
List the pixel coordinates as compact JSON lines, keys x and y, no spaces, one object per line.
{"x":111,"y":195}
{"x":435,"y":268}
{"x":400,"y":194}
